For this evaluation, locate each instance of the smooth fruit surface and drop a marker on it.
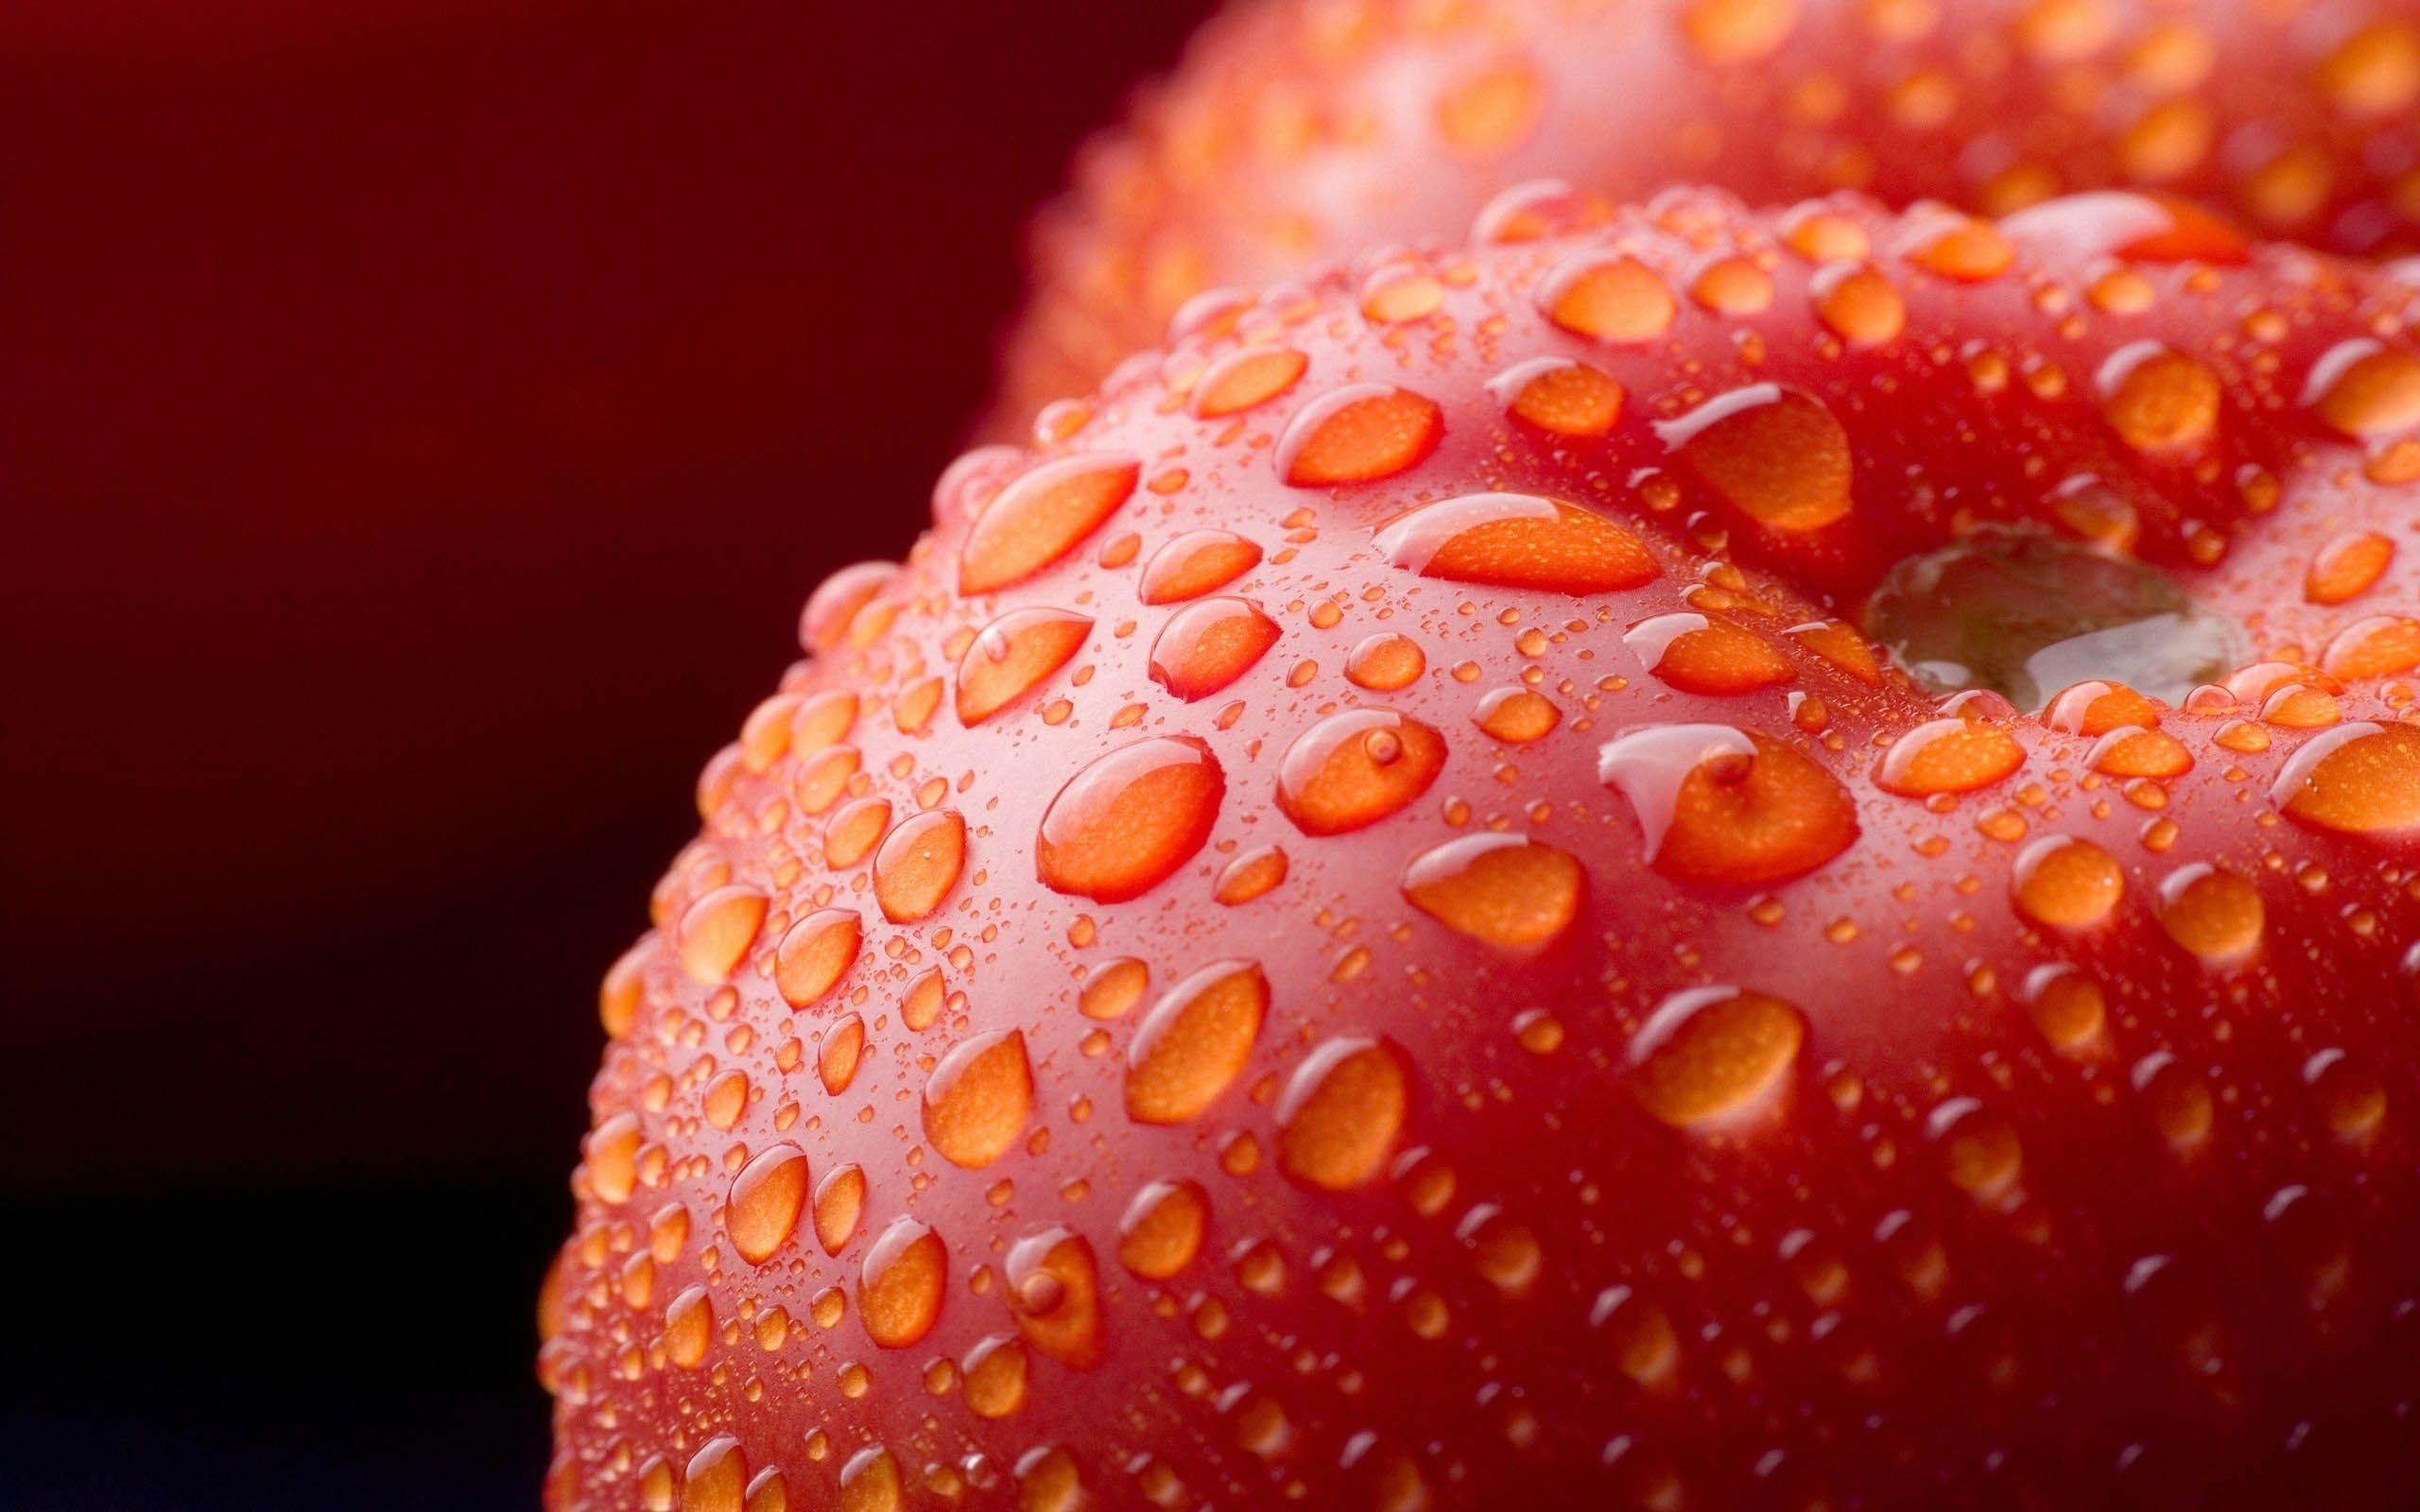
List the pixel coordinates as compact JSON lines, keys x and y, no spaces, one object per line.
{"x":1388,"y":942}
{"x":1301,"y":130}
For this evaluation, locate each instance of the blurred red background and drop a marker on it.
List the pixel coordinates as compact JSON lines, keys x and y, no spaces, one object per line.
{"x":420,"y":422}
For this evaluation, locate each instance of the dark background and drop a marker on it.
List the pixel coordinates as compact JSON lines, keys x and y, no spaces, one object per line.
{"x":420,"y":422}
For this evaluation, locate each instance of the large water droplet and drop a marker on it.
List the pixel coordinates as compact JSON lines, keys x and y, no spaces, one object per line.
{"x":815,"y":953}
{"x":2357,"y":779}
{"x":1518,"y":540}
{"x":1774,"y":454}
{"x":1041,"y":516}
{"x":1195,"y":563}
{"x":1206,"y":646}
{"x":1505,"y":889}
{"x":1194,"y":1041}
{"x":978,"y":1099}
{"x":1352,"y":769}
{"x":1357,"y":434}
{"x":1012,"y":655}
{"x":1163,"y":1229}
{"x":918,"y":864}
{"x":1340,"y":1112}
{"x":1054,"y":1291}
{"x":2026,"y":614}
{"x":1729,"y":806}
{"x":899,"y":1287}
{"x":1126,"y":823}
{"x":1711,"y":1052}
{"x":765,"y":1198}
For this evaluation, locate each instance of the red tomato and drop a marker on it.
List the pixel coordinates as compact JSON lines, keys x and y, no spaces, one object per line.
{"x":1303,"y":129}
{"x":1368,"y":927}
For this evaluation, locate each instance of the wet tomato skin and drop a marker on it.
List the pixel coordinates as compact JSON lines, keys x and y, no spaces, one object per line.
{"x":1386,"y":941}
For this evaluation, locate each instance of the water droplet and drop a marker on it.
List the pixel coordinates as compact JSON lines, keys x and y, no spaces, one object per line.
{"x":1710,"y":1052}
{"x":1859,"y":304}
{"x":1054,"y":1292}
{"x":2347,"y":566}
{"x":2066,"y":1005}
{"x":1644,"y":1346}
{"x":716,"y":1480}
{"x":1385,"y":663}
{"x":840,"y":1207}
{"x":2139,"y":228}
{"x":1340,"y":1113}
{"x":899,"y":1286}
{"x":1518,"y":540}
{"x":1518,"y":716}
{"x":1963,"y":249}
{"x":1503,"y":890}
{"x":2025,"y":614}
{"x":2156,"y":399}
{"x":1126,"y":823}
{"x":1352,"y":769}
{"x":1608,"y":296}
{"x":1246,"y":380}
{"x":1194,"y":1041}
{"x":1195,"y":563}
{"x":688,"y":1328}
{"x":2361,"y":389}
{"x":918,"y":864}
{"x":1560,"y":395}
{"x":815,"y":953}
{"x":1114,"y":987}
{"x":765,"y":1198}
{"x":1980,"y":1151}
{"x":1206,"y":646}
{"x":997,"y":1372}
{"x":1698,"y":653}
{"x":1727,"y":806}
{"x":1250,"y":875}
{"x":612,"y":1157}
{"x":869,"y":1481}
{"x":1357,"y":434}
{"x":715,"y":931}
{"x":1948,"y":755}
{"x":2214,"y":914}
{"x":2356,"y":778}
{"x":1013,"y":656}
{"x":1162,"y":1230}
{"x":1774,"y":454}
{"x":1726,"y":33}
{"x":1492,"y":111}
{"x":1041,"y":516}
{"x":2061,"y":881}
{"x":832,"y":609}
{"x":978,"y":1099}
